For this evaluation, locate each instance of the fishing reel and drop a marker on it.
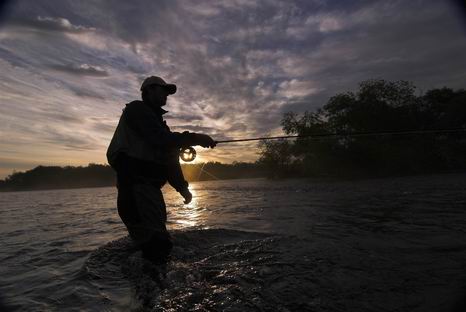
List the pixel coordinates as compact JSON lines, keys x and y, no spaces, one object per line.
{"x":187,"y":154}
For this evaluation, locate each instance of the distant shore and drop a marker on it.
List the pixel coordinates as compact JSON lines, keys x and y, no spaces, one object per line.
{"x":97,"y":175}
{"x":44,"y":178}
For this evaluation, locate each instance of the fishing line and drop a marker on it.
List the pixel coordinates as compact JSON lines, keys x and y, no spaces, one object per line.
{"x":201,"y":170}
{"x":213,"y":176}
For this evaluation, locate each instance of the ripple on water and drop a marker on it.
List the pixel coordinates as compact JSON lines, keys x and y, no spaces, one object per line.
{"x":218,"y":269}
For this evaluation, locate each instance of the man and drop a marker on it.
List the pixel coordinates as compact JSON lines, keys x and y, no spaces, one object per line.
{"x":144,"y":153}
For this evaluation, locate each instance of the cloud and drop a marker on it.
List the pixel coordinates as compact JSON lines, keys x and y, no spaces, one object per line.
{"x":69,"y":140}
{"x":84,"y":92}
{"x":194,"y":128}
{"x":238,"y":64}
{"x":239,"y":126}
{"x":59,"y":116}
{"x":81,"y":70}
{"x":184,"y":117}
{"x":47,"y":23}
{"x":294,"y":89}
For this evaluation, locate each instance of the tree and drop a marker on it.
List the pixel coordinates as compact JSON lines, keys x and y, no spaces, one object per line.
{"x":376,"y":106}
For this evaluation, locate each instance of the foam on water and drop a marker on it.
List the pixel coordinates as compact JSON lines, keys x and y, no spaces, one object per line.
{"x":218,"y":269}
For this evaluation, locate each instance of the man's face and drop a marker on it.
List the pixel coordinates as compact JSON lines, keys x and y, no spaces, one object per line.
{"x":157,"y":95}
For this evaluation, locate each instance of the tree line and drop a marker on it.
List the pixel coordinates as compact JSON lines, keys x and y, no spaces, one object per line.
{"x":377,"y":106}
{"x":97,"y":175}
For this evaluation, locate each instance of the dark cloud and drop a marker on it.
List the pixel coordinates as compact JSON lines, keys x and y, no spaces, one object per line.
{"x":81,"y":92}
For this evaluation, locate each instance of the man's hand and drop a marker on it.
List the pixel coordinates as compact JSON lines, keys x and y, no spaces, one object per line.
{"x":190,"y":139}
{"x":204,"y":140}
{"x":187,"y":196}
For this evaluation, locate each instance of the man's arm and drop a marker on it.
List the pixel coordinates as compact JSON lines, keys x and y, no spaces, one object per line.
{"x":177,"y":181}
{"x":143,"y":120}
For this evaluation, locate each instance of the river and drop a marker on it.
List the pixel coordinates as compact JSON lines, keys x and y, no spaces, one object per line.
{"x":392,"y":244}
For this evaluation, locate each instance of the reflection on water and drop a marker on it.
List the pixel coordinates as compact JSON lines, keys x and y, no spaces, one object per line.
{"x":185,"y":215}
{"x":193,"y":204}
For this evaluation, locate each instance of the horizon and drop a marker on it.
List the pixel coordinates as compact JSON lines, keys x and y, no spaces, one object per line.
{"x":106,"y":164}
{"x":68,"y":68}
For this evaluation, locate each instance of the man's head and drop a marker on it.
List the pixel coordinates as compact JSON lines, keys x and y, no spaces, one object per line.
{"x":155,"y":91}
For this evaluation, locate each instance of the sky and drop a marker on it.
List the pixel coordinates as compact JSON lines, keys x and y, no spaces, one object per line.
{"x":67,"y":68}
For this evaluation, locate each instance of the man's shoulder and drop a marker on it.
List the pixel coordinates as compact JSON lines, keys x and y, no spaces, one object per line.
{"x":134,"y":104}
{"x":138,"y":111}
{"x":136,"y":107}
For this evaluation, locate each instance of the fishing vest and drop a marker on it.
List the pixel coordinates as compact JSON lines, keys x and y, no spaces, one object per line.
{"x":126,"y":140}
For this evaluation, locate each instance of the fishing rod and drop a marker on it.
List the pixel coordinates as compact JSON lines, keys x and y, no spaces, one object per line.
{"x":351,"y":134}
{"x":188,"y":154}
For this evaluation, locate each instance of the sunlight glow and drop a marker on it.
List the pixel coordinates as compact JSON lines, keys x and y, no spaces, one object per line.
{"x":190,"y":214}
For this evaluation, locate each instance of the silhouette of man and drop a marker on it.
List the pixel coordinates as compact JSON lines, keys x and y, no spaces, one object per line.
{"x":144,"y":154}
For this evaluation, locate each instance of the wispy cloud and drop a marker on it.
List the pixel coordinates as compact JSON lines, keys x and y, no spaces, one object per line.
{"x":47,"y":23}
{"x":81,"y":70}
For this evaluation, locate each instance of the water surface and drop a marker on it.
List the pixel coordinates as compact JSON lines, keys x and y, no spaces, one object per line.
{"x":393,"y":244}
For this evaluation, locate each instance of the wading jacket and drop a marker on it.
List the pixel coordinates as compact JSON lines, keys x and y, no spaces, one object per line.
{"x":144,"y":148}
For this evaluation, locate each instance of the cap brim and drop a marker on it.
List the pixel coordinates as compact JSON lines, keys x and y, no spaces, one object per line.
{"x":171,"y":88}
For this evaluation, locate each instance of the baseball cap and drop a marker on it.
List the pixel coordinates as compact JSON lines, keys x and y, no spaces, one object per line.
{"x":154,"y":80}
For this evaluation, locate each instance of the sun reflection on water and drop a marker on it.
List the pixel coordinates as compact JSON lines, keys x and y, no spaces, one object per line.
{"x":189,"y":215}
{"x":193,"y":203}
